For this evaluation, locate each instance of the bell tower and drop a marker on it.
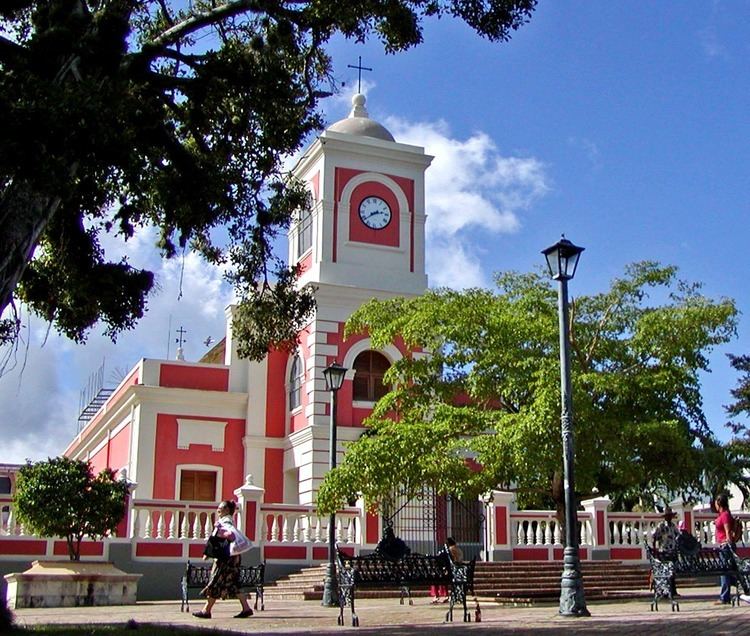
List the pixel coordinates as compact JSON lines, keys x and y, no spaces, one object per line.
{"x":367,"y":225}
{"x":364,"y":238}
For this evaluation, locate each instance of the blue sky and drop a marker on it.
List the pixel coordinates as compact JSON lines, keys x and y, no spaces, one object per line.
{"x":623,"y":124}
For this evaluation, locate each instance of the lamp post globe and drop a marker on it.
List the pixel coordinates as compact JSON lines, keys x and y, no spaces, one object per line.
{"x":334,"y":376}
{"x":562,"y":261}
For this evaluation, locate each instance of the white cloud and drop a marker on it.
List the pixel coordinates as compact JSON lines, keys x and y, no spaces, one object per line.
{"x":471,"y":190}
{"x":454,"y":265}
{"x":40,"y":395}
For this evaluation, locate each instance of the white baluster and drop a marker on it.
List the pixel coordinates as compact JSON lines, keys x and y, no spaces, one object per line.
{"x":185,"y":526}
{"x":318,"y":530}
{"x":351,"y":531}
{"x":275,"y":529}
{"x":538,"y":538}
{"x":208,"y":526}
{"x":307,"y":520}
{"x":148,"y":526}
{"x":339,"y":529}
{"x":160,"y":527}
{"x":196,"y":532}
{"x":136,"y":523}
{"x":296,"y":528}
{"x":173,"y":526}
{"x":520,"y":538}
{"x":11,"y":522}
{"x":618,"y":533}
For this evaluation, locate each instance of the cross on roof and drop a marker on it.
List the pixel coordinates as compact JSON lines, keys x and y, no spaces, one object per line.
{"x":182,"y":333}
{"x":360,"y":68}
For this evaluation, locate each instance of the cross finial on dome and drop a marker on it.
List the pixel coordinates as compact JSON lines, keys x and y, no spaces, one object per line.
{"x":360,"y":68}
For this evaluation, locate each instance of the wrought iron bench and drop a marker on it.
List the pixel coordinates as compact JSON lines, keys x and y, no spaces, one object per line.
{"x":375,"y":571}
{"x":252,"y":578}
{"x":705,"y":562}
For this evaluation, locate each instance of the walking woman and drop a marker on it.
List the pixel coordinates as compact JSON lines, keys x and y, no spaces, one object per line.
{"x":224,"y":580}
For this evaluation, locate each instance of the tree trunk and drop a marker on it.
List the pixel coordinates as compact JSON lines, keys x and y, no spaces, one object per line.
{"x":558,"y":496}
{"x":23,"y":217}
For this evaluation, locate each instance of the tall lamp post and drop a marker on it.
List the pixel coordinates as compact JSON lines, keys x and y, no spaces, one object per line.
{"x":562,"y":260}
{"x":334,"y":377}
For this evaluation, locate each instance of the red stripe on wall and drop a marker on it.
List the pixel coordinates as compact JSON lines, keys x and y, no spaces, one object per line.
{"x":626,"y":553}
{"x":558,"y":554}
{"x":530,"y":554}
{"x":501,"y":525}
{"x":22,"y":546}
{"x":193,"y":377}
{"x":372,"y":528}
{"x":159,"y":549}
{"x":600,"y":527}
{"x":273,"y":476}
{"x":251,"y":519}
{"x":196,"y":551}
{"x":284,"y":552}
{"x":320,"y":554}
{"x":88,"y":548}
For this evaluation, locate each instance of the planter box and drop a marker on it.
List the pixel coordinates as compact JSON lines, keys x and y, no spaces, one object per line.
{"x":70,"y":584}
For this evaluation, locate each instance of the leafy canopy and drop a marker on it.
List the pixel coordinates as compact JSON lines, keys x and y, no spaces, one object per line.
{"x":61,"y":497}
{"x":489,"y":390}
{"x":124,"y":114}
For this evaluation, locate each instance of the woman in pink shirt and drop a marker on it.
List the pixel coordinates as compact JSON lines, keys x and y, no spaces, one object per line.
{"x":723,"y":523}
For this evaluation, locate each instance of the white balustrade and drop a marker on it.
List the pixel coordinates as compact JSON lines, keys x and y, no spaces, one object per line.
{"x":541,"y":528}
{"x":285,"y":523}
{"x":168,"y":520}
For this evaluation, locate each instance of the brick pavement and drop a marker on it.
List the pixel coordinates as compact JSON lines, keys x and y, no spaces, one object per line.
{"x":698,"y":616}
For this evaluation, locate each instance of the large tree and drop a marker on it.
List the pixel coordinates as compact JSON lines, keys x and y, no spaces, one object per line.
{"x":119,"y":114}
{"x":738,"y":447}
{"x":61,"y":497}
{"x":490,"y":390}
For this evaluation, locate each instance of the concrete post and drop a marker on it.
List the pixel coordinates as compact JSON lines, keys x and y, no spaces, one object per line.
{"x":597,"y":508}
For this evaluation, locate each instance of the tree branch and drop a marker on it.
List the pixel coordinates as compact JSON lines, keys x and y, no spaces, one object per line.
{"x":12,"y":53}
{"x":198,"y":21}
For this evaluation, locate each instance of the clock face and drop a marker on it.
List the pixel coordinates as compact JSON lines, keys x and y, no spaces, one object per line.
{"x":374,"y":212}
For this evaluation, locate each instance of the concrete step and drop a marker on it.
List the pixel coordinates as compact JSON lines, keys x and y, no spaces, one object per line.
{"x":511,"y":583}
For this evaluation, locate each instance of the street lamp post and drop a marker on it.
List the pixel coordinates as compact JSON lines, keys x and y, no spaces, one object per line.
{"x":334,"y":377}
{"x":562,"y":260}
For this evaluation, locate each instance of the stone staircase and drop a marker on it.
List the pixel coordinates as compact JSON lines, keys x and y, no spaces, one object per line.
{"x":516,"y":583}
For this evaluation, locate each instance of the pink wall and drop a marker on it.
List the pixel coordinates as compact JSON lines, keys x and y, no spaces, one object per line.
{"x":357,"y":230}
{"x":230,"y":459}
{"x":276,"y":395}
{"x":273,"y":477}
{"x":193,"y":377}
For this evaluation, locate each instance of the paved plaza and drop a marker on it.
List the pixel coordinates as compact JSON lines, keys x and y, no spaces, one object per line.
{"x":697,"y":615}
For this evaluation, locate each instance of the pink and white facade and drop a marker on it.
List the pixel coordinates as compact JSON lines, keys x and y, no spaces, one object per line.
{"x":188,"y":434}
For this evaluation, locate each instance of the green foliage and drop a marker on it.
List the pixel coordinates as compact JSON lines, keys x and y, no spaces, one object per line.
{"x":61,"y":497}
{"x":490,"y":390}
{"x":122,"y":115}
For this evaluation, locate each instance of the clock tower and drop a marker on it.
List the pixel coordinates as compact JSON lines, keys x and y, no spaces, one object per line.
{"x":367,"y":225}
{"x":363,"y":238}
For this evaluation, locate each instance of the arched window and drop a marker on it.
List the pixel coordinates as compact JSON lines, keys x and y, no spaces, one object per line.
{"x":304,"y":229}
{"x":369,"y":368}
{"x":295,"y":384}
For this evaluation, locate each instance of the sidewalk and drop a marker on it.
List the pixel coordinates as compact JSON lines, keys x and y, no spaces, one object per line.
{"x":697,"y":615}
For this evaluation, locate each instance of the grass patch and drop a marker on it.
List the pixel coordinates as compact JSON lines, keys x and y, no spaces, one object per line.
{"x":128,"y":629}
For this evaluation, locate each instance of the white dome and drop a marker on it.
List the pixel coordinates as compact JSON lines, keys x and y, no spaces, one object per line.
{"x":358,"y":123}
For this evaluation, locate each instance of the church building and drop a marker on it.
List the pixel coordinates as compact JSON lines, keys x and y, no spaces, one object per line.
{"x":193,"y":431}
